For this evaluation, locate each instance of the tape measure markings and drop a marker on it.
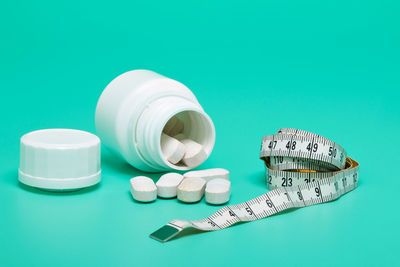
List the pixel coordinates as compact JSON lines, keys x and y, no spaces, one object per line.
{"x":302,"y":169}
{"x":282,"y":147}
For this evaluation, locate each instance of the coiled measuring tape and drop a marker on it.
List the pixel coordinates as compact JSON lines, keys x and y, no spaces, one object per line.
{"x":302,"y":169}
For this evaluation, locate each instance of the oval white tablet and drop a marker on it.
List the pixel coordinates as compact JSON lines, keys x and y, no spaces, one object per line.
{"x":208,"y":174}
{"x":191,"y":190}
{"x":173,"y":127}
{"x":194,"y":153}
{"x":172,"y":149}
{"x":168,"y":184}
{"x":218,"y":191}
{"x":180,"y":137}
{"x":143,"y":189}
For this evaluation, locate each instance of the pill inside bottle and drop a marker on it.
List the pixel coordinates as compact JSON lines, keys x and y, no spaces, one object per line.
{"x":189,"y":131}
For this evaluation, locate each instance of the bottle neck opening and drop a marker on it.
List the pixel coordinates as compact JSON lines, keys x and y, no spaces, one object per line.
{"x":197,"y":126}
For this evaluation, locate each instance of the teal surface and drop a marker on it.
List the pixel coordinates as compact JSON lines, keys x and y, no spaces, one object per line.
{"x":329,"y":67}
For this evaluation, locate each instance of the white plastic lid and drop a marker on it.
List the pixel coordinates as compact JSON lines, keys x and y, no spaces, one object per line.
{"x":59,"y":159}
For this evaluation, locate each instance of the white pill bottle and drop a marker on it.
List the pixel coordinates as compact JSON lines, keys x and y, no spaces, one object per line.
{"x":135,"y":107}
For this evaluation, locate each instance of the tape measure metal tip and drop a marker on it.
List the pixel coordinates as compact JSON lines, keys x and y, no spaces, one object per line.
{"x":165,"y":233}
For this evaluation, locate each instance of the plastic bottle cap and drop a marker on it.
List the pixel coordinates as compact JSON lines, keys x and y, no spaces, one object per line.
{"x":59,"y":159}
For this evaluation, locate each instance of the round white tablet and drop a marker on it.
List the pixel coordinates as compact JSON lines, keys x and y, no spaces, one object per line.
{"x":168,"y":184}
{"x":143,"y":189}
{"x":59,"y":159}
{"x":218,"y":191}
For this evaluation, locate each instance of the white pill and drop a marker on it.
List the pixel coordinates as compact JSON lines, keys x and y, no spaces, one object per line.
{"x":191,"y":190}
{"x":194,"y":153}
{"x":218,"y":191}
{"x":143,"y":189}
{"x":180,"y":137}
{"x":172,"y":149}
{"x":208,"y":174}
{"x":167,"y":184}
{"x":173,"y":127}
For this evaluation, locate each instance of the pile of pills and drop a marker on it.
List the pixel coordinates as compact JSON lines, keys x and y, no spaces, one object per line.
{"x":189,"y":188}
{"x":177,"y":148}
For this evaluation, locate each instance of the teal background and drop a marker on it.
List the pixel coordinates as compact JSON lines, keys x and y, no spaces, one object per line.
{"x":329,"y":67}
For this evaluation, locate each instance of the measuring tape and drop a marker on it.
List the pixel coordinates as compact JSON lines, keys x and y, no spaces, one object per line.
{"x":302,"y":169}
